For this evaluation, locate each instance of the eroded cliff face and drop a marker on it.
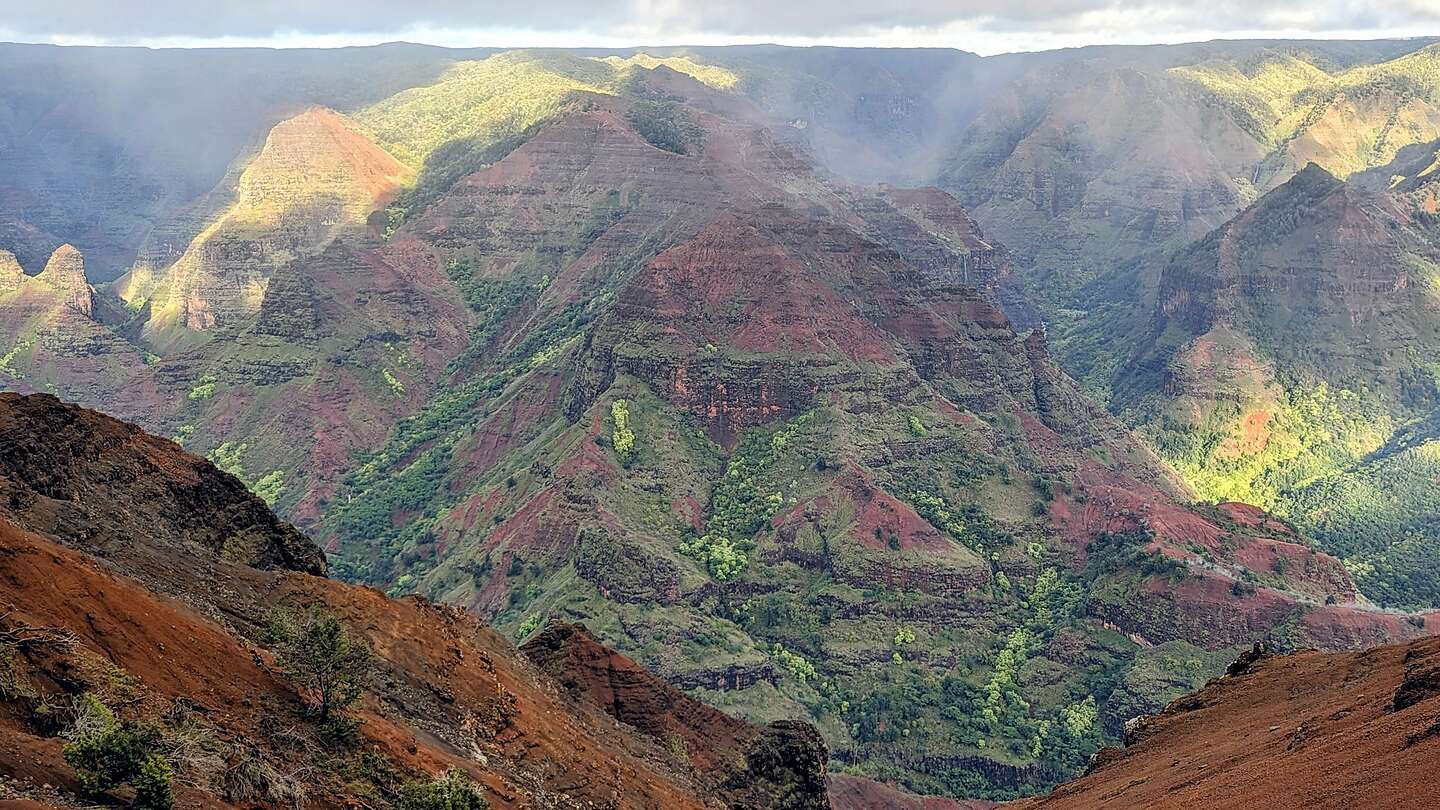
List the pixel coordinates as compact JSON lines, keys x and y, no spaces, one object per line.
{"x":55,"y":336}
{"x":776,"y":451}
{"x":11,"y":273}
{"x":65,"y":274}
{"x":1095,"y":170}
{"x":315,"y":178}
{"x":771,"y":434}
{"x":71,"y":474}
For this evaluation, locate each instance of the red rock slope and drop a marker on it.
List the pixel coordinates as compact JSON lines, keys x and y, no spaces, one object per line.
{"x":1311,"y":730}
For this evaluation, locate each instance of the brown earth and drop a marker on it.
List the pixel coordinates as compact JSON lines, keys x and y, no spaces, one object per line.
{"x":1310,"y":730}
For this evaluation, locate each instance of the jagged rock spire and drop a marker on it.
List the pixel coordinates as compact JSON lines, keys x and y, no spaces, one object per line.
{"x":65,"y":273}
{"x":11,"y":275}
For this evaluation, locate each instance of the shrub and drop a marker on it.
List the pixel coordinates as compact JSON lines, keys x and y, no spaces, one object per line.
{"x":396,"y":387}
{"x":741,"y":503}
{"x":453,"y":791}
{"x":318,"y":653}
{"x":917,"y":428}
{"x":106,"y":753}
{"x":249,"y":778}
{"x":268,"y":489}
{"x":530,"y":625}
{"x":622,"y":437}
{"x":793,"y":663}
{"x":204,"y":388}
{"x":663,"y":124}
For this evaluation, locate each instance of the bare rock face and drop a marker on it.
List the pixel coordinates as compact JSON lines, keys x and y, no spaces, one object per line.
{"x":1420,"y":680}
{"x":316,"y":178}
{"x":11,"y":274}
{"x":65,"y":273}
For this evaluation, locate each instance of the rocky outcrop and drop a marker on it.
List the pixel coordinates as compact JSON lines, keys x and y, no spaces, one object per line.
{"x":108,"y":488}
{"x":625,"y":572}
{"x":65,"y":275}
{"x":1420,"y":679}
{"x":781,"y":765}
{"x":11,"y":273}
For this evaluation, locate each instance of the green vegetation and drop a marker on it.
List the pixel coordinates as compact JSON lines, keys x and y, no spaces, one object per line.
{"x":1312,"y":433}
{"x":106,"y":753}
{"x":966,"y":523}
{"x":315,"y":650}
{"x":622,"y":438}
{"x":406,"y":475}
{"x":716,"y":77}
{"x":532,"y":623}
{"x":794,"y":664}
{"x":1382,"y":518}
{"x":478,"y":112}
{"x":227,"y":458}
{"x":396,"y":387}
{"x":1004,"y":707}
{"x":452,"y":791}
{"x":270,"y":487}
{"x":9,"y":357}
{"x":485,"y":100}
{"x":741,"y":503}
{"x":917,"y":428}
{"x":1276,"y":97}
{"x":204,"y":388}
{"x":1332,"y":462}
{"x":664,"y":124}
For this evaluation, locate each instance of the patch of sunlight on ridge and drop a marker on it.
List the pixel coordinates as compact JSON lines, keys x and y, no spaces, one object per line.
{"x":716,"y":77}
{"x":485,"y":100}
{"x":1280,"y":98}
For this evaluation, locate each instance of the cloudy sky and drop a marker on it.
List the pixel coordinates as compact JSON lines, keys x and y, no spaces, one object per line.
{"x":983,"y":26}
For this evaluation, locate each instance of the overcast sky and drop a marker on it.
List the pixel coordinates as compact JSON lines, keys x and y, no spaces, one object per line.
{"x":983,"y":26}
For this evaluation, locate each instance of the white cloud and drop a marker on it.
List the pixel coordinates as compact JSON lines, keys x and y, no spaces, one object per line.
{"x":984,"y":26}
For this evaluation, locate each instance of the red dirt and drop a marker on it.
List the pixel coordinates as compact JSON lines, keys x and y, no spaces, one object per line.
{"x":433,"y":655}
{"x":1311,"y":730}
{"x":877,"y":509}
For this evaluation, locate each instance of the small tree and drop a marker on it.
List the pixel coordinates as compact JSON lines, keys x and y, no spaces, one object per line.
{"x":623,"y":437}
{"x":316,"y":651}
{"x":106,"y":753}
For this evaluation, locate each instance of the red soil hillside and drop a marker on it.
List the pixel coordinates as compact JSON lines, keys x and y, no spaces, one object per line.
{"x":1311,"y":730}
{"x":149,"y":605}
